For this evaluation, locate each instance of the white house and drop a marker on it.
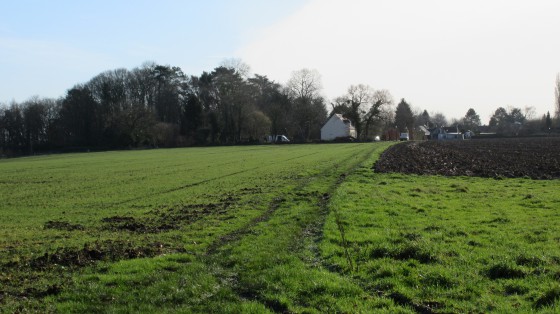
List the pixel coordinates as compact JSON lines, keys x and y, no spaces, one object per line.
{"x":337,"y":127}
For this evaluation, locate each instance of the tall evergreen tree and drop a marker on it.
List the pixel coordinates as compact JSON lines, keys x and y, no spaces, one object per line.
{"x":404,"y":118}
{"x":471,"y":121}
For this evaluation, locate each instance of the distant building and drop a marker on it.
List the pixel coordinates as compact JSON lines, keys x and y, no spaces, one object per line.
{"x":445,"y":133}
{"x":337,"y":127}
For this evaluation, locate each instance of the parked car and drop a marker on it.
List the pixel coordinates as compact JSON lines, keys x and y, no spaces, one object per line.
{"x":277,"y":139}
{"x":404,"y":137}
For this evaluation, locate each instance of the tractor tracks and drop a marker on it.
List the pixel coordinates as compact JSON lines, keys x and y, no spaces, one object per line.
{"x":197,"y":183}
{"x":311,"y":195}
{"x":321,"y":198}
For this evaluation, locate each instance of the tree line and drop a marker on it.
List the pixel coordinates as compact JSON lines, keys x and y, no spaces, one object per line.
{"x":160,"y":106}
{"x":509,"y":121}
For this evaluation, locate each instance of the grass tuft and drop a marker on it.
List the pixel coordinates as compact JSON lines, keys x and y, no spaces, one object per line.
{"x":516,"y":287}
{"x":437,"y":279}
{"x":531,"y":261}
{"x":503,"y":270}
{"x":549,"y":298}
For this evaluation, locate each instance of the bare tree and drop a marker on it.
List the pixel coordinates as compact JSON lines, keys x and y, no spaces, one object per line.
{"x":309,"y":112}
{"x":359,"y":101}
{"x":35,"y":122}
{"x":439,"y":119}
{"x":238,"y":66}
{"x":12,"y":129}
{"x":386,"y":104}
{"x":304,"y":84}
{"x":364,"y":106}
{"x":234,"y":103}
{"x":530,"y":112}
{"x":380,"y":113}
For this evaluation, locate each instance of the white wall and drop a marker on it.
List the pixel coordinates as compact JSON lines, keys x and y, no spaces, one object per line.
{"x":334,"y":128}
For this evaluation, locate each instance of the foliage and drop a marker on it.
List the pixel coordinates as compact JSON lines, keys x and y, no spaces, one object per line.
{"x":158,"y":105}
{"x":508,"y":122}
{"x":308,"y":112}
{"x":471,"y":121}
{"x":365,"y":108}
{"x":423,"y":120}
{"x":404,"y":119}
{"x":257,"y":125}
{"x":439,"y":120}
{"x":548,"y":121}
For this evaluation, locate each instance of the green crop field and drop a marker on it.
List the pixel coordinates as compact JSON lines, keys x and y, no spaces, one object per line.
{"x":253,"y":229}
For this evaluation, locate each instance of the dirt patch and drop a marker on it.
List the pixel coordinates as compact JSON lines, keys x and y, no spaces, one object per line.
{"x":190,"y":213}
{"x":140,"y":225}
{"x":110,"y":250}
{"x":536,"y":158}
{"x":62,"y":225}
{"x":172,"y":218}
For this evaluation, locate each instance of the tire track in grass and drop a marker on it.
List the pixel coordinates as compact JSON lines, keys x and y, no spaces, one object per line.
{"x":397,"y":297}
{"x":305,"y":182}
{"x":109,"y":205}
{"x":304,"y":238}
{"x":190,"y":185}
{"x":273,"y":206}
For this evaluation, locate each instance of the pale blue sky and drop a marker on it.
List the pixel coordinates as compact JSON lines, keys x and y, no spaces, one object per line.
{"x":441,"y":55}
{"x":48,"y":46}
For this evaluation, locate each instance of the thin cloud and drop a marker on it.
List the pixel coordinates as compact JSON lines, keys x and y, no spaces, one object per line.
{"x":443,"y":56}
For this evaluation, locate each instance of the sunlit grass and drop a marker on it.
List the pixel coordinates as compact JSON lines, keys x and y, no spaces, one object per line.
{"x":449,"y":244}
{"x":303,"y":228}
{"x":235,"y":217}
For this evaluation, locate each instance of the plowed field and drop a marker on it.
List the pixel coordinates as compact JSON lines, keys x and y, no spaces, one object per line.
{"x":536,"y":158}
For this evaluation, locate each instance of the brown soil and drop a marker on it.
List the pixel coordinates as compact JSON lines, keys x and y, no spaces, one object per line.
{"x":535,"y":158}
{"x":109,"y":250}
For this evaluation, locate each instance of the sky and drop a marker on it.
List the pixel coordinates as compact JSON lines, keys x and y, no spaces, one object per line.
{"x":443,"y":56}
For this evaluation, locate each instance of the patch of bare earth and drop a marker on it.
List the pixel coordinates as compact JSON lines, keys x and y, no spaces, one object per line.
{"x":536,"y":158}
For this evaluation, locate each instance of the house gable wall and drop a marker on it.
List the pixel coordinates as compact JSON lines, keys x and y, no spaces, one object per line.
{"x":335,"y":127}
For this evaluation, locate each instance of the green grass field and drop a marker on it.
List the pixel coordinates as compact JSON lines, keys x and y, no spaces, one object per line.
{"x":449,"y":244}
{"x":289,"y":228}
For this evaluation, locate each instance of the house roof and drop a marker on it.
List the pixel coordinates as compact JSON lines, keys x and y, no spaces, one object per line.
{"x":341,"y":118}
{"x":451,"y":129}
{"x":345,"y":120}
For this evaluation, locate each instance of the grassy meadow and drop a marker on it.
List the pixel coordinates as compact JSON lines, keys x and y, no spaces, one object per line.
{"x":254,"y":229}
{"x":449,"y":244}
